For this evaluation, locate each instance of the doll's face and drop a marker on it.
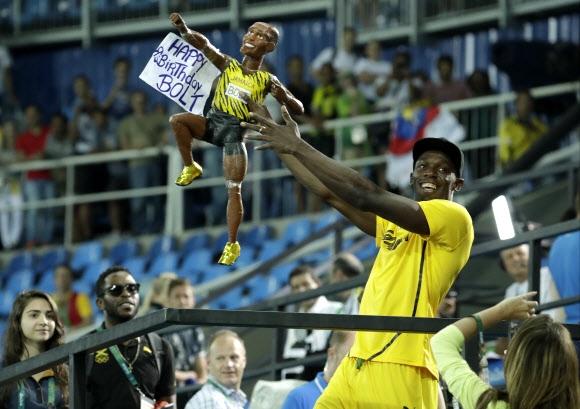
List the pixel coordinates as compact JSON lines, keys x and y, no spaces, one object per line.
{"x":257,"y":41}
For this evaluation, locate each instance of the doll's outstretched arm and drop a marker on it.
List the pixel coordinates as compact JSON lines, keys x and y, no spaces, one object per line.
{"x":200,"y":42}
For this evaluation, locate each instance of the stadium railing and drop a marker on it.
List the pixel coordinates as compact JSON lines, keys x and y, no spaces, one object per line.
{"x":174,"y":221}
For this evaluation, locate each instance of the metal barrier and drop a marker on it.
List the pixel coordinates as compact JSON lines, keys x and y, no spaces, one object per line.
{"x":76,"y":351}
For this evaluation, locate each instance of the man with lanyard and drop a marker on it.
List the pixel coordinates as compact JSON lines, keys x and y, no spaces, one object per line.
{"x":305,"y":396}
{"x":128,"y":375}
{"x":423,"y":244}
{"x":226,"y":359}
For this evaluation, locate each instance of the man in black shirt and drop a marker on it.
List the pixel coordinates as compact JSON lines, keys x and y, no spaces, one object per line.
{"x":133,"y":373}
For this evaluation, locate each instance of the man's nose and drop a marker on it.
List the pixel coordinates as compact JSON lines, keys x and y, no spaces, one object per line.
{"x":429,"y":170}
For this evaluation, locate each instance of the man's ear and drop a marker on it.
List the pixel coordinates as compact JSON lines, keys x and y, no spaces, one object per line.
{"x":411,"y":178}
{"x":458,"y":184}
{"x":270,"y":47}
{"x":99,"y":302}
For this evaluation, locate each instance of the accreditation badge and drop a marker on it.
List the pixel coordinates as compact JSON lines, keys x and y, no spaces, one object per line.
{"x":146,"y":403}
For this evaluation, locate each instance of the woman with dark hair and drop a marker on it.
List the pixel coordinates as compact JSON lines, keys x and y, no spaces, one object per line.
{"x":34,"y":327}
{"x":540,"y":368}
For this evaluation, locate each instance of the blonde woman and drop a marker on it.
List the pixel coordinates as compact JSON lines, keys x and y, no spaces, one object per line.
{"x":540,"y":368}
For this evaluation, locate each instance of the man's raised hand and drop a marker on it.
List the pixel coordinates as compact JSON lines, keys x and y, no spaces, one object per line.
{"x":255,"y":107}
{"x":280,"y":138}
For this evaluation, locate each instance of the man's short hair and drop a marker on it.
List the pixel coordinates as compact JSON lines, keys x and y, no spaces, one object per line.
{"x":224,"y":333}
{"x":122,"y":60}
{"x":349,"y":264}
{"x":445,"y":58}
{"x":177,"y":282}
{"x":66,"y":267}
{"x":301,"y":270}
{"x":100,"y":285}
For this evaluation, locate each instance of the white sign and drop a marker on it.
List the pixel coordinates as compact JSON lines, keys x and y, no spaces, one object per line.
{"x":180,"y":72}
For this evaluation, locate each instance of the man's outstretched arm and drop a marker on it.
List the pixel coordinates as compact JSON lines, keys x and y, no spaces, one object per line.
{"x":347,"y":184}
{"x":366,"y":222}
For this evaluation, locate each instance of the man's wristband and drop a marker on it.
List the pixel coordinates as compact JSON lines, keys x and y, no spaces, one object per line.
{"x":479,"y":323}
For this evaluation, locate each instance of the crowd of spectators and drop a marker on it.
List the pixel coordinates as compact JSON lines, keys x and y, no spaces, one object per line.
{"x":343,"y":83}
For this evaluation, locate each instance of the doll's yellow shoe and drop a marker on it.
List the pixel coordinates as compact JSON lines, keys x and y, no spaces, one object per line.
{"x":230,"y":254}
{"x":188,"y":174}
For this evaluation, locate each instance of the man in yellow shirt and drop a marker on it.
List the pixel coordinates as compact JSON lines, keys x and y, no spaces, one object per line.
{"x":519,"y":132}
{"x":423,"y":244}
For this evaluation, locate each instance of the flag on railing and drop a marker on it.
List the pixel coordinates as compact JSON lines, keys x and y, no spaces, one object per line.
{"x":410,"y":125}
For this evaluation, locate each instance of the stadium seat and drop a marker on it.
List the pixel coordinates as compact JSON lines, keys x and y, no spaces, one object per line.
{"x":317,"y":257}
{"x":282,"y":271}
{"x":6,"y":302}
{"x":211,"y":273}
{"x":200,"y":259}
{"x":136,"y":265}
{"x":85,"y":288}
{"x":247,"y":257}
{"x":162,"y":244}
{"x":326,"y":219}
{"x":21,"y":261}
{"x":86,"y":254}
{"x":261,"y":287}
{"x":192,"y":273}
{"x":20,"y":280}
{"x":297,"y":230}
{"x":163,"y":262}
{"x":258,"y":234}
{"x":270,"y":249}
{"x":46,"y":282}
{"x":51,"y":259}
{"x":123,"y":250}
{"x":232,"y":299}
{"x":93,"y":271}
{"x":194,"y":242}
{"x":368,"y":251}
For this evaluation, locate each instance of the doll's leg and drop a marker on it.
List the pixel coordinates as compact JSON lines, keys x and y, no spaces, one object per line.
{"x":187,"y":126}
{"x":235,"y":168}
